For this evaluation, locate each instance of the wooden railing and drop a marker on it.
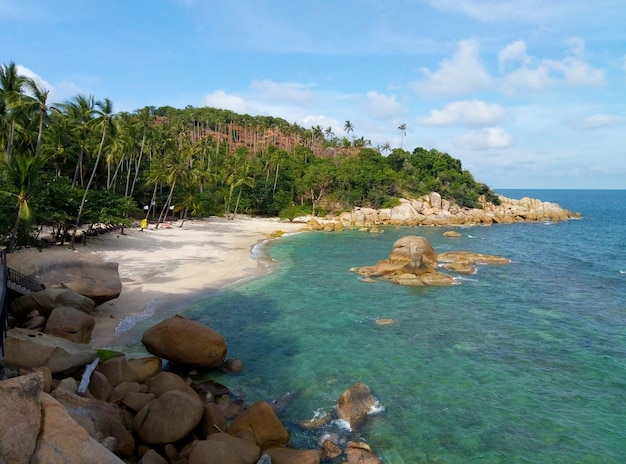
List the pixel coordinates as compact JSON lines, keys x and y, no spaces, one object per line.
{"x":4,"y":304}
{"x":18,"y":282}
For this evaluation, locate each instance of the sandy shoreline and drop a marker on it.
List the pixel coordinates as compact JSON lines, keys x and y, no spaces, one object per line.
{"x":171,"y":266}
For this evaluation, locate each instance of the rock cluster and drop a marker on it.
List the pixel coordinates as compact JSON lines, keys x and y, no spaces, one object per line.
{"x":432,"y":210}
{"x":58,"y":410}
{"x":55,"y":311}
{"x":413,"y":262}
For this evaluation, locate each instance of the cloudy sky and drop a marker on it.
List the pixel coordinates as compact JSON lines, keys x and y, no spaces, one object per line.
{"x":526,"y":93}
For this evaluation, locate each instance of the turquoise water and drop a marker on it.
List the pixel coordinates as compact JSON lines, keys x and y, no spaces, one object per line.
{"x":523,"y":363}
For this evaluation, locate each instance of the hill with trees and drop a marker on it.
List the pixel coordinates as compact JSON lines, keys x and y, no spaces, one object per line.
{"x":70,"y":165}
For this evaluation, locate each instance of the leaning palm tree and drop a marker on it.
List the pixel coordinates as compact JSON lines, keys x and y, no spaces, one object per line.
{"x":39,"y":102}
{"x":81,"y":110}
{"x":104,"y":120}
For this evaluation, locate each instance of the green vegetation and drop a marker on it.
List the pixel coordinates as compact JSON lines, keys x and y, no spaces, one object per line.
{"x":72,"y":165}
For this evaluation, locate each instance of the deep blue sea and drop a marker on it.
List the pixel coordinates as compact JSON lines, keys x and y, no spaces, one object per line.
{"x":521,"y":363}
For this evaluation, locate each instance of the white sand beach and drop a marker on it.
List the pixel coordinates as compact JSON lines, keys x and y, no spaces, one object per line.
{"x":174,"y":264}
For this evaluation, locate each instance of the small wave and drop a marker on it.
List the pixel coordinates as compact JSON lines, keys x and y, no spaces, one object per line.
{"x":622,"y":271}
{"x":376,"y":408}
{"x":342,"y":424}
{"x":129,"y":322}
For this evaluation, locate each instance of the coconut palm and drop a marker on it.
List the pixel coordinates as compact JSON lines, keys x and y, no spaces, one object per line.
{"x":11,"y":85}
{"x":402,"y":128}
{"x":348,"y":127}
{"x":21,"y":171}
{"x":104,"y":121}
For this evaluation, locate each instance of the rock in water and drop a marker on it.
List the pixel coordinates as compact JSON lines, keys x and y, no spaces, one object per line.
{"x":355,"y":404}
{"x":186,"y":342}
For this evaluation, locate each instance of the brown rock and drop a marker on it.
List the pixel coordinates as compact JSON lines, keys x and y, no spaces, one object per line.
{"x":416,"y":252}
{"x":46,"y":300}
{"x":260,"y":422}
{"x":167,"y":381}
{"x":71,"y":324}
{"x":360,"y":453}
{"x":124,"y":388}
{"x":99,"y":386}
{"x":98,"y":418}
{"x":28,"y":349}
{"x":185,"y":342}
{"x":136,"y":401}
{"x":213,"y":421}
{"x":20,"y":417}
{"x":62,"y":441}
{"x":437,"y":278}
{"x":84,"y":273}
{"x":168,"y":418}
{"x":355,"y":404}
{"x":152,"y":457}
{"x":330,"y":450}
{"x":290,"y":455}
{"x":117,"y":370}
{"x":221,"y":448}
{"x":145,"y":368}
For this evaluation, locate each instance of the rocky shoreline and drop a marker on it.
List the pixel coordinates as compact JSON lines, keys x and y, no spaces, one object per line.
{"x":64,"y":401}
{"x":432,"y":210}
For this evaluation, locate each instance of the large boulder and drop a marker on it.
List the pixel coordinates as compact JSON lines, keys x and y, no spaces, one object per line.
{"x":186,"y":342}
{"x":417,"y":252}
{"x":290,"y":455}
{"x":260,"y":424}
{"x":29,"y":349}
{"x":355,"y":404}
{"x":221,"y":448}
{"x":70,"y":324}
{"x":98,"y":418}
{"x":46,"y":300}
{"x":84,"y":273}
{"x":168,"y":418}
{"x":62,"y":441}
{"x":20,"y":417}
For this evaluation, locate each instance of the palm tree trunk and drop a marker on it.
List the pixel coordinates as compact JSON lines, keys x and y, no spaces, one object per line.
{"x":82,"y":202}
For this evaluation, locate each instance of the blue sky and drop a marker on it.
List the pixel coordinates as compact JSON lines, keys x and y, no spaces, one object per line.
{"x":526,"y":93}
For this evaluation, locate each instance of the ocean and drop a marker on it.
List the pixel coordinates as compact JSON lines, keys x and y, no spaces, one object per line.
{"x":518,"y":363}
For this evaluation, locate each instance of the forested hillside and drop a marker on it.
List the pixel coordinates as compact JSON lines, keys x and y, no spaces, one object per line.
{"x":73,"y":164}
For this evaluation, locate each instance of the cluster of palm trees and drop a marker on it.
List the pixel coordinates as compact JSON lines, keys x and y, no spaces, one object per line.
{"x":74,"y":164}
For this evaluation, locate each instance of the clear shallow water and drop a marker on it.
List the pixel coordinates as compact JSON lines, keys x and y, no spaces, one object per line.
{"x":524,"y":363}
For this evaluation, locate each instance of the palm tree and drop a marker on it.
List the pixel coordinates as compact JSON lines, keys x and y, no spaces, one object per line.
{"x":21,"y":171}
{"x":105,"y":114}
{"x":402,"y":128}
{"x":348,"y":127}
{"x":11,"y":84}
{"x":386,"y":148}
{"x":38,"y":101}
{"x":81,"y":110}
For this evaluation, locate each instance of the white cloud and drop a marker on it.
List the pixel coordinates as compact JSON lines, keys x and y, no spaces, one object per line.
{"x":383,"y":106}
{"x":594,"y":121}
{"x":469,"y":113}
{"x":461,"y":73}
{"x":292,"y":93}
{"x":56,"y":93}
{"x":537,"y":75}
{"x":220,"y":99}
{"x":491,"y":137}
{"x":514,"y":52}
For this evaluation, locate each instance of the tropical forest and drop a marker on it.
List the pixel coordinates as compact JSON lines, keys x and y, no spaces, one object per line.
{"x":76,"y":165}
